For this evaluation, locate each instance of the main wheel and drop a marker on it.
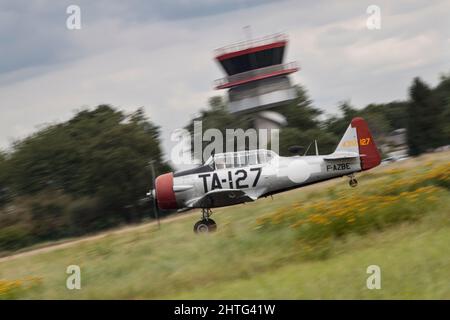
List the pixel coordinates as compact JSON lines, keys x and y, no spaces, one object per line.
{"x":212,"y":226}
{"x":353,"y":183}
{"x":205,"y":226}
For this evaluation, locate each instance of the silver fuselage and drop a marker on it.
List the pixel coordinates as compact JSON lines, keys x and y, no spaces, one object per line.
{"x":259,"y":180}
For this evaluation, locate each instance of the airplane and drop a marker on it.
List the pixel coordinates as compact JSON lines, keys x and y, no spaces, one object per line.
{"x":244,"y":176}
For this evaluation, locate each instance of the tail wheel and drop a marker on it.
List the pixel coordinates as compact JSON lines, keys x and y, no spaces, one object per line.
{"x":205,"y":226}
{"x":353,"y":182}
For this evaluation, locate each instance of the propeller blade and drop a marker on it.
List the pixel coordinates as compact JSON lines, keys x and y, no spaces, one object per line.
{"x":153,"y":196}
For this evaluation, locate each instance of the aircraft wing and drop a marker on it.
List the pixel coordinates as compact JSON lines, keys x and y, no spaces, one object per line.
{"x":221,"y":198}
{"x":341,"y":156}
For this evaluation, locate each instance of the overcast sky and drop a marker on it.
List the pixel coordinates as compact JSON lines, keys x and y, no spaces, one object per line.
{"x":159,"y":54}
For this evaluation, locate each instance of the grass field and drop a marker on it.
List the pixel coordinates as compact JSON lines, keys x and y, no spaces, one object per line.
{"x":270,"y":249}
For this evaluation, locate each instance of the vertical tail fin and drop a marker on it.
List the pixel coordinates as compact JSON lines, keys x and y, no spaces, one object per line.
{"x":357,"y":139}
{"x":349,"y":141}
{"x":368,"y":151}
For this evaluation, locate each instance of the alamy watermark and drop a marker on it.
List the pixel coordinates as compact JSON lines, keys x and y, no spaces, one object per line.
{"x":73,"y":281}
{"x":373,"y":22}
{"x":234,"y":140}
{"x":73,"y":21}
{"x":374,"y":280}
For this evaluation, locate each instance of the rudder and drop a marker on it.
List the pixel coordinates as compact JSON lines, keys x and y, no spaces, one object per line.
{"x":368,"y":151}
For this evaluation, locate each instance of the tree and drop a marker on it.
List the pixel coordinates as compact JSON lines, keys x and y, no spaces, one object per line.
{"x":424,"y":123}
{"x":216,"y":116}
{"x":3,"y":179}
{"x":101,"y":153}
{"x":338,"y":124}
{"x":395,"y":113}
{"x":300,"y":113}
{"x":442,"y":95}
{"x":289,"y":136}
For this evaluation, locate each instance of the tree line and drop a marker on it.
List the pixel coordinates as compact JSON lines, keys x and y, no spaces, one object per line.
{"x":80,"y":176}
{"x":425,"y":116}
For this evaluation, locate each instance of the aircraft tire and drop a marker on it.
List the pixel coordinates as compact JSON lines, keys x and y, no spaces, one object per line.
{"x":353,"y":183}
{"x":212,"y":226}
{"x":205,"y":226}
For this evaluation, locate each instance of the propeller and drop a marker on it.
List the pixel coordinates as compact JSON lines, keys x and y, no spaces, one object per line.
{"x":152,"y":195}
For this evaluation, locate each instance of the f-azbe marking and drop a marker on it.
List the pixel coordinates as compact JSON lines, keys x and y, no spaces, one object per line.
{"x":338,"y":166}
{"x":182,"y":310}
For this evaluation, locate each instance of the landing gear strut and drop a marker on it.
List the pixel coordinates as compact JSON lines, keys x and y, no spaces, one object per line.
{"x":206,"y":224}
{"x":353,"y":182}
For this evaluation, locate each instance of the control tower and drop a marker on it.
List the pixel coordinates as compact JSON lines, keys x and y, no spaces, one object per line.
{"x":256,"y":76}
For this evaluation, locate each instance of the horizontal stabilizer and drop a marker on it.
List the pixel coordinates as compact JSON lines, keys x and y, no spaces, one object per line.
{"x":341,"y":155}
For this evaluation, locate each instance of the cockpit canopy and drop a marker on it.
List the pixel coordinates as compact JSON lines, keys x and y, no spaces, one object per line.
{"x":231,"y":160}
{"x":240,"y":158}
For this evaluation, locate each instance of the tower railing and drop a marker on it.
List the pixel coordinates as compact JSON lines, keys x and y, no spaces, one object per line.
{"x":247,"y":75}
{"x":251,"y":43}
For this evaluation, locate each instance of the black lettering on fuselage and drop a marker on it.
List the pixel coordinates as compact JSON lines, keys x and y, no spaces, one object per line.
{"x":258,"y":174}
{"x":216,"y":182}
{"x":205,"y":184}
{"x":240,"y":175}
{"x":239,"y":179}
{"x":230,"y":180}
{"x":338,"y":167}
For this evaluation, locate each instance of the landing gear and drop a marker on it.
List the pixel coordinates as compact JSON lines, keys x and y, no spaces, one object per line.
{"x":206,"y":224}
{"x":353,"y":182}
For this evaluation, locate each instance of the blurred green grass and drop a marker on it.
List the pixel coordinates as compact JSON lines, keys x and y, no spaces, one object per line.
{"x":241,"y":262}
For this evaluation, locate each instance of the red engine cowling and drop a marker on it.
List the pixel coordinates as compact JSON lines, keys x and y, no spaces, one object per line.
{"x":164,"y":191}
